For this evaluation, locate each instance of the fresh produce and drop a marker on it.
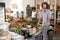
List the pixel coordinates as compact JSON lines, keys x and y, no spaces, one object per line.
{"x":18,"y":30}
{"x":41,"y":28}
{"x":33,"y":22}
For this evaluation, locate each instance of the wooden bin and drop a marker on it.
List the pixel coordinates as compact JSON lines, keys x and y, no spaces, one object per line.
{"x":4,"y":35}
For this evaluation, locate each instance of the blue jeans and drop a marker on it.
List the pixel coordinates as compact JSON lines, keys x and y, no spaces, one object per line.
{"x":45,"y":35}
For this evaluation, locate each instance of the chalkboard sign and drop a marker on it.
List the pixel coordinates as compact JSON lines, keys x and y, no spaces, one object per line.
{"x":38,"y":6}
{"x":2,"y":12}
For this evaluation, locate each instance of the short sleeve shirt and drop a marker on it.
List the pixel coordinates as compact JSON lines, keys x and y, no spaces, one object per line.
{"x":45,"y":14}
{"x":33,"y":15}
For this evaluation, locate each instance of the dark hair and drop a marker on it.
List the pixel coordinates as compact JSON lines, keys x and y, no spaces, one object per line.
{"x":33,"y":8}
{"x":48,"y":7}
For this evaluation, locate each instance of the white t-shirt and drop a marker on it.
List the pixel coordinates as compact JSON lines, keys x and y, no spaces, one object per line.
{"x":33,"y":15}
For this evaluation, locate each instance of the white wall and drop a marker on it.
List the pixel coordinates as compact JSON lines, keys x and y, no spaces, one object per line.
{"x":20,"y":6}
{"x":27,"y":2}
{"x":7,"y":2}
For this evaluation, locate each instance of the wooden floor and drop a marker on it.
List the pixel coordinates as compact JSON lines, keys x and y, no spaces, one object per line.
{"x":57,"y":30}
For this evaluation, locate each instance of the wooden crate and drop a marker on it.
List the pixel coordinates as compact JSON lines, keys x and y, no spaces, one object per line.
{"x":4,"y":35}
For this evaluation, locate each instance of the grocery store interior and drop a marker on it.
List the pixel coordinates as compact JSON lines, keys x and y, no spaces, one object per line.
{"x":20,"y":20}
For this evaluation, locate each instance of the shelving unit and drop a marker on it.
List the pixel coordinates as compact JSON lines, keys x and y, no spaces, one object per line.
{"x":57,"y":17}
{"x":58,"y":12}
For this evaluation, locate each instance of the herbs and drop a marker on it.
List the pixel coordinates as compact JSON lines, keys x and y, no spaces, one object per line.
{"x":18,"y":30}
{"x":41,"y":28}
{"x":33,"y":22}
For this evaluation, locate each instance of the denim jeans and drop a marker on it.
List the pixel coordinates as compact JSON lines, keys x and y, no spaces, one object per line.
{"x":45,"y":35}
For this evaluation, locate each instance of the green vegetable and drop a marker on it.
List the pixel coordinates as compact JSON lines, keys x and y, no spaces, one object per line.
{"x":41,"y":28}
{"x":33,"y":22}
{"x":18,"y":30}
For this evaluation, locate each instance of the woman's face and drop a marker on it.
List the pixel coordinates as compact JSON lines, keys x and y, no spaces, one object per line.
{"x":44,"y":6}
{"x":34,"y":10}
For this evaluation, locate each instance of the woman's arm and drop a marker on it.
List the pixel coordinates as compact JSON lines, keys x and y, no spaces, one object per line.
{"x":38,"y":21}
{"x":39,"y":18}
{"x":47,"y":21}
{"x":49,"y":17}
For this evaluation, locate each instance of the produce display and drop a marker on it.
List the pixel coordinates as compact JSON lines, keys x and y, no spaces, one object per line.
{"x":30,"y":25}
{"x":18,"y":30}
{"x":18,"y":22}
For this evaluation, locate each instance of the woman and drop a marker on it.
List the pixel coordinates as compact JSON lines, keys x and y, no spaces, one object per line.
{"x":33,"y":13}
{"x":45,"y":15}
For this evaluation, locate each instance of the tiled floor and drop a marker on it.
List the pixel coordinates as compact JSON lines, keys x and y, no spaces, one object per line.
{"x":53,"y":36}
{"x":56,"y":37}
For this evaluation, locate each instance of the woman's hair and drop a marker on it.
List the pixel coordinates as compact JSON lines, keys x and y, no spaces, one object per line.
{"x":48,"y":7}
{"x":33,"y":8}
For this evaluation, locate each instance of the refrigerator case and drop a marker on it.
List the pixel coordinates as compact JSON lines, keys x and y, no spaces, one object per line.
{"x":58,"y":18}
{"x":2,"y":16}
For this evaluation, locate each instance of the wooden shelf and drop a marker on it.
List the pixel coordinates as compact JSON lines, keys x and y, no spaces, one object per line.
{"x":54,"y":8}
{"x":57,"y":9}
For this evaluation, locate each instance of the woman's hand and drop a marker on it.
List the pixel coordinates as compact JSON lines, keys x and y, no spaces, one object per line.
{"x":38,"y":23}
{"x":46,"y":23}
